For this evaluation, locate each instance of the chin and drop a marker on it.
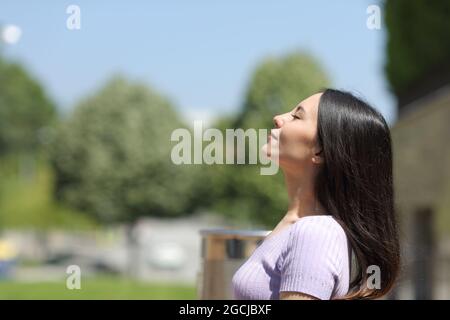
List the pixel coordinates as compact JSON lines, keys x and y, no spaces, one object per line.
{"x":265,"y":150}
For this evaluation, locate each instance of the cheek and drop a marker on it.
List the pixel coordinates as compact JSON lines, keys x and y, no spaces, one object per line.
{"x":295,"y":144}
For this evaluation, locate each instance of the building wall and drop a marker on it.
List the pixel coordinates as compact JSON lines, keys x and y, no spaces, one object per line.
{"x":421,"y":144}
{"x":421,"y":148}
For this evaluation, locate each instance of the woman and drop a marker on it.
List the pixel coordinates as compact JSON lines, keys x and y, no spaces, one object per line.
{"x":335,"y":153}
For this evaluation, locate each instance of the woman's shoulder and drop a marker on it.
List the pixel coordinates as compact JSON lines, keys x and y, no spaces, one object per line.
{"x":318,"y":227}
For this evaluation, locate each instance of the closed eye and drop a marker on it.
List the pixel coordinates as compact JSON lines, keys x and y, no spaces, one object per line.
{"x":295,"y":116}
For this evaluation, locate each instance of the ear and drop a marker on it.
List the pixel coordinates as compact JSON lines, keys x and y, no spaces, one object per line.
{"x":318,"y":158}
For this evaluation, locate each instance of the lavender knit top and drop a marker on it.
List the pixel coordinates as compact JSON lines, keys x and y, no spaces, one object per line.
{"x":311,"y":256}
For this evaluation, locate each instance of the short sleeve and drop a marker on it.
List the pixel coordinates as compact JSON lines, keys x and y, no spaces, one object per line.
{"x":312,"y":257}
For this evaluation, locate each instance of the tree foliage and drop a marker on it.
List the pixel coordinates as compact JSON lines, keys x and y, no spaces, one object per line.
{"x":25,"y":110}
{"x":112,"y":156}
{"x":418,"y":41}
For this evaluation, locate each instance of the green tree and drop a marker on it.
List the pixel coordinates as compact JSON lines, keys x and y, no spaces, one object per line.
{"x":25,"y":110}
{"x":26,"y":116}
{"x":276,"y":86}
{"x":112,"y":156}
{"x":418,"y":41}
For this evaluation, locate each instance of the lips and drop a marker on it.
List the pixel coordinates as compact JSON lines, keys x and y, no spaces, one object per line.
{"x":274,"y":135}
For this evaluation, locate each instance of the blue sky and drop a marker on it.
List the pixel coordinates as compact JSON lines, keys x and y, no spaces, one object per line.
{"x":199,"y":53}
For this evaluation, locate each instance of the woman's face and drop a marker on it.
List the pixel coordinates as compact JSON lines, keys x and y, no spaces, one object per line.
{"x":294,"y":138}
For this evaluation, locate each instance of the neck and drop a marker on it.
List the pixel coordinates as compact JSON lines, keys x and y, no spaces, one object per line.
{"x":302,"y":199}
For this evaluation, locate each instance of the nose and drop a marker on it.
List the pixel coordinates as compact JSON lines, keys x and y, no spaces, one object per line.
{"x":277,"y":121}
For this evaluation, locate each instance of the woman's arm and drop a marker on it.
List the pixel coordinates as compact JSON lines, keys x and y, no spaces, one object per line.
{"x":288,"y":295}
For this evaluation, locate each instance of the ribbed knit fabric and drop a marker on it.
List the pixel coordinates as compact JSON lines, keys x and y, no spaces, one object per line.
{"x":309,"y":256}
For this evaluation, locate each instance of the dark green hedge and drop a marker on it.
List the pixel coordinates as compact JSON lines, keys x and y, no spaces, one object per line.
{"x":418,"y":41}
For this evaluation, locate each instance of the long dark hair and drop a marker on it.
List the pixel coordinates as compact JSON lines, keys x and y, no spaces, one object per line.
{"x":355,"y":186}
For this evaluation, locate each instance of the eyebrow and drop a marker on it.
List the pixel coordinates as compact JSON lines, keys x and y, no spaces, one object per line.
{"x":299,"y":108}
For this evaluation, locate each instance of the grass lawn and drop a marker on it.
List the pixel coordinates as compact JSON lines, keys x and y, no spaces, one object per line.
{"x":97,"y":288}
